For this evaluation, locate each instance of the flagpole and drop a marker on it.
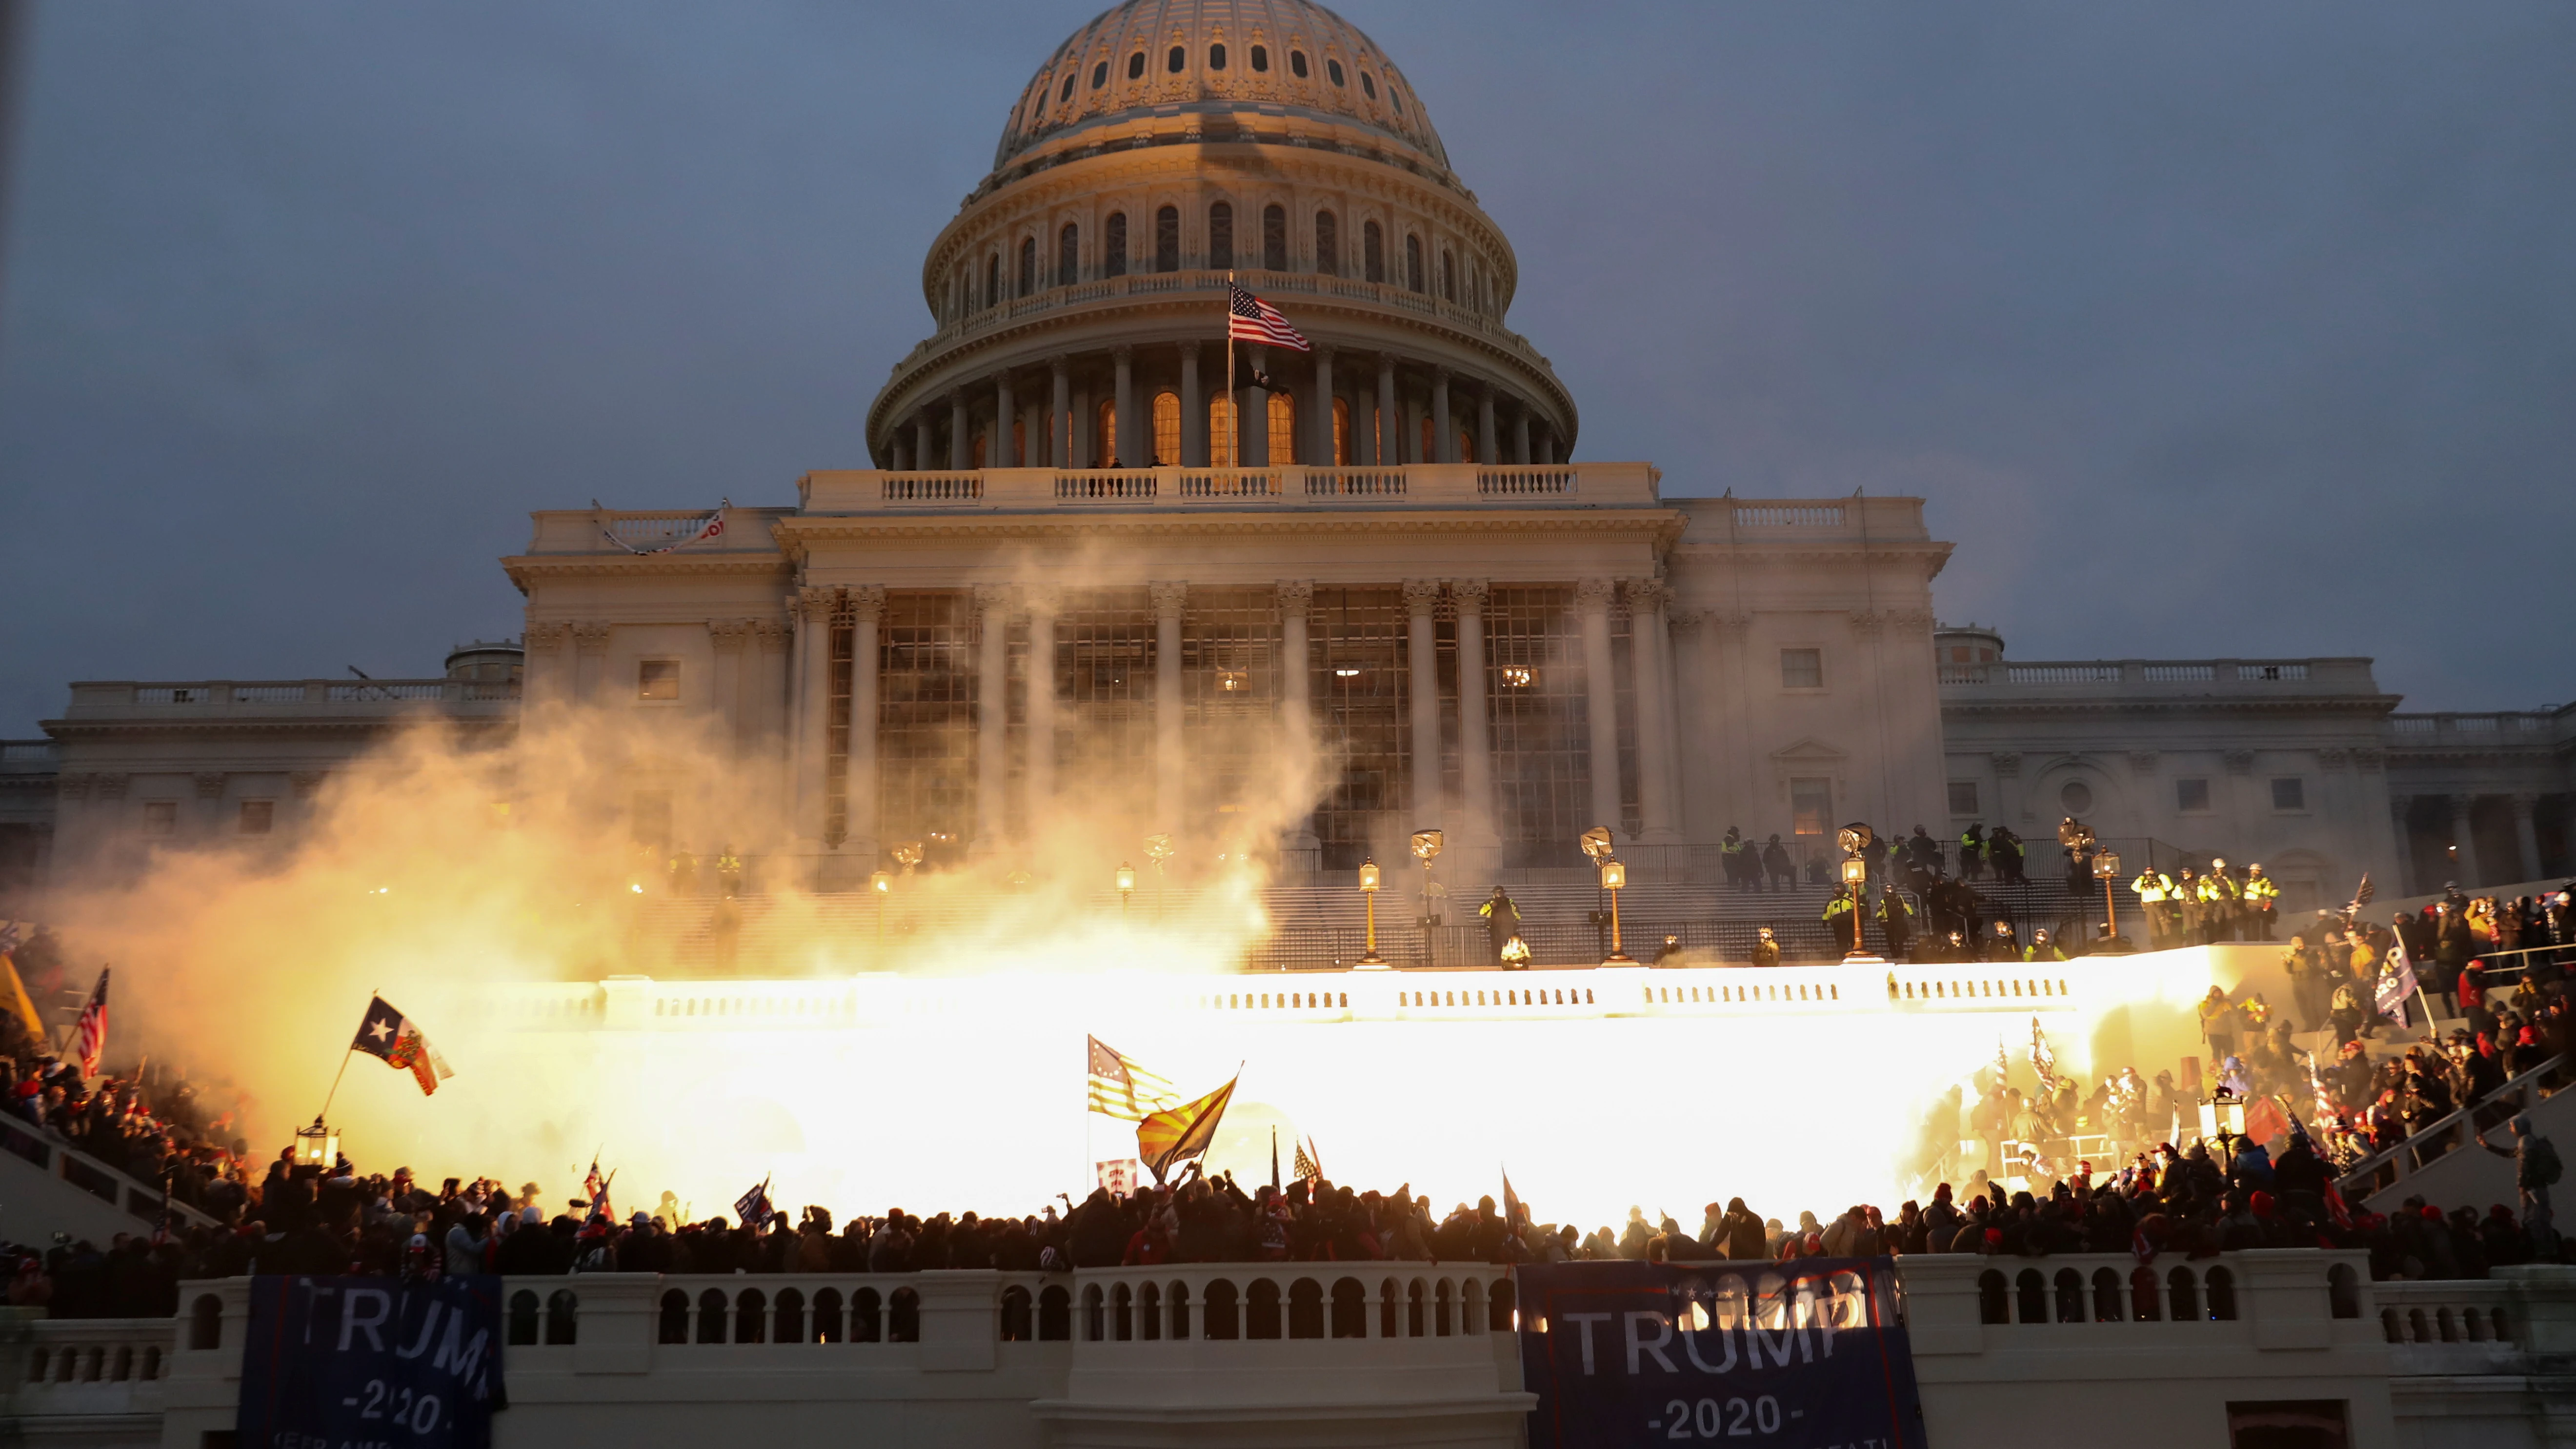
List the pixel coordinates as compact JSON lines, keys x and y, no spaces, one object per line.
{"x":345,"y":1054}
{"x":1233,"y":407}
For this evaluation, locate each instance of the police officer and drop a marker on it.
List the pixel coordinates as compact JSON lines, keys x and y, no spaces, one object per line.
{"x":1732,"y":857}
{"x":2218,"y":903}
{"x":1972,"y":852}
{"x":2258,"y":895}
{"x":1844,"y":923}
{"x":2154,"y":890}
{"x":2189,"y":909}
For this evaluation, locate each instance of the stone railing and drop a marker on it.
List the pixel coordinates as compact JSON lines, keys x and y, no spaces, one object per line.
{"x":281,"y":698}
{"x":2528,"y":729}
{"x":1412,"y":485}
{"x":2224,"y":676}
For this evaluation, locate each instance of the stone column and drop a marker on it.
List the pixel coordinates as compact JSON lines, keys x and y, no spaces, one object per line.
{"x":1060,"y":412}
{"x":1390,"y":440}
{"x":992,"y":715}
{"x":1475,"y":704}
{"x":1005,"y":453}
{"x":1485,"y":426}
{"x":1600,"y":697}
{"x":812,"y":610}
{"x":2465,"y":836}
{"x":900,"y":447}
{"x":1520,"y":436}
{"x":961,"y":432}
{"x":859,"y":781}
{"x":1547,"y":447}
{"x":1654,"y":712}
{"x":1422,"y":695}
{"x":1122,"y":358}
{"x":1168,"y":596}
{"x":1039,"y":777}
{"x":729,"y":639}
{"x":2526,"y":836}
{"x":1444,"y":438}
{"x":1320,"y":429}
{"x":1194,"y":448}
{"x":921,"y":439}
{"x":1296,"y":692}
{"x":1252,"y":422}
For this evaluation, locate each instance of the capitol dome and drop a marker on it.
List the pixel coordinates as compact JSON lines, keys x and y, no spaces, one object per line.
{"x":1207,"y":56}
{"x":1161,"y":151}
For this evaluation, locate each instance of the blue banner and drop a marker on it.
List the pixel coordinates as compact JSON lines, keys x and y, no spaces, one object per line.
{"x":1805,"y":1354}
{"x":371,"y":1363}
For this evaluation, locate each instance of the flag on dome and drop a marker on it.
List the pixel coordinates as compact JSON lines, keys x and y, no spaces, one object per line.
{"x":1122,"y":1089}
{"x":1164,"y":1140}
{"x":1249,"y":319}
{"x":399,"y":1042}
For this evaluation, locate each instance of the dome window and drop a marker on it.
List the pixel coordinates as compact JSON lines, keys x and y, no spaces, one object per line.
{"x":1368,"y":85}
{"x":1333,"y":69}
{"x":1328,"y":244}
{"x":1174,"y":61}
{"x":1261,"y":57}
{"x":1100,"y":75}
{"x":1068,"y":255}
{"x":1136,"y":66}
{"x":1167,"y":239}
{"x":1068,"y":88}
{"x":1297,"y":64}
{"x":1216,"y":57}
{"x":1113,"y":245}
{"x":1220,"y":237}
{"x":1395,"y":98}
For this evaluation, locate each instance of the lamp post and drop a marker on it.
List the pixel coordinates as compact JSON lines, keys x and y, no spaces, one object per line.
{"x":1856,"y":880}
{"x":1369,"y":883}
{"x":883,"y":884}
{"x":2106,"y":869}
{"x":1614,"y":876}
{"x":1126,"y":887}
{"x":1426,"y":848}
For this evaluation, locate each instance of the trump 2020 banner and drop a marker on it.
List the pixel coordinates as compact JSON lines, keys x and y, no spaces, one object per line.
{"x":371,"y":1363}
{"x":1806,"y":1354}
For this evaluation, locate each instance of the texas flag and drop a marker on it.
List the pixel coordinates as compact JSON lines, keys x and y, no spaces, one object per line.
{"x":388,"y":1034}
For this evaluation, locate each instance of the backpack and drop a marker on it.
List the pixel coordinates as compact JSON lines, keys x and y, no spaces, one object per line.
{"x":2541,"y":1162}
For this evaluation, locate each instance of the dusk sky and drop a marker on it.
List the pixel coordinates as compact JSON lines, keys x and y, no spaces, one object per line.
{"x":2205,"y":329}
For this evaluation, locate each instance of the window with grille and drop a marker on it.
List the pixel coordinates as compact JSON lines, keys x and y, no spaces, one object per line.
{"x":1113,"y":245}
{"x":1105,"y":685}
{"x":1963,"y":797}
{"x":2190,"y":795}
{"x":1802,"y":669}
{"x":926,"y":716}
{"x":1274,"y":238}
{"x":1373,"y":251}
{"x":1167,"y":430}
{"x":1220,"y":237}
{"x":1105,"y":436}
{"x":1068,"y":255}
{"x":1358,"y":688}
{"x":1223,"y":437}
{"x":1229,"y":703}
{"x":1811,"y":806}
{"x":1541,"y":734}
{"x":1341,"y":432}
{"x":1328,"y":244}
{"x":2290,"y":793}
{"x":657,"y":679}
{"x":1413,"y":264}
{"x":1167,"y":239}
{"x":1282,"y":410}
{"x":1028,"y":265}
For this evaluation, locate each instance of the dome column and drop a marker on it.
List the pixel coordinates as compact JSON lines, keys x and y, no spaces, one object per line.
{"x":1320,"y":428}
{"x":1520,"y":436}
{"x":921,"y":439}
{"x":1390,"y":439}
{"x":961,"y":438}
{"x":1004,"y":452}
{"x":1060,"y":412}
{"x":1485,"y":452}
{"x":1123,"y":359}
{"x":1444,"y":437}
{"x":1194,"y":450}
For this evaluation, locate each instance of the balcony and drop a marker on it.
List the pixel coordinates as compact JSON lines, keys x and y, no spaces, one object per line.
{"x":1181,"y":490}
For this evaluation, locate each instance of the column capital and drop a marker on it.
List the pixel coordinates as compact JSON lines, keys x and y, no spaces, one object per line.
{"x":772,"y":634}
{"x":1470,"y":594}
{"x":548,"y":637}
{"x":2369,"y":762}
{"x":1296,"y":594}
{"x":814,"y":605}
{"x":1439,"y":375}
{"x":1323,"y":352}
{"x":992,"y":598}
{"x":1866,"y":624}
{"x":1421,"y":596}
{"x":2524,"y":805}
{"x":590,"y":637}
{"x":867,"y":601}
{"x":729,"y":635}
{"x":1123,"y":352}
{"x":2334,"y":762}
{"x":1733,"y":626}
{"x":999,"y":377}
{"x":957,"y":396}
{"x":1686,"y":622}
{"x":1593,"y":593}
{"x":1059,"y":363}
{"x":2460,"y":805}
{"x":1647,"y":593}
{"x":1168,"y":596}
{"x":1043,"y":601}
{"x":210,"y":784}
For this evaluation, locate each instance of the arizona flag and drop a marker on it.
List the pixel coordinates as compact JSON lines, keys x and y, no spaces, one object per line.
{"x":1166,"y":1139}
{"x":388,"y":1034}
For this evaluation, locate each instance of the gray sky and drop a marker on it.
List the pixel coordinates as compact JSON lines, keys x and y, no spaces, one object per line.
{"x":2206,"y":329}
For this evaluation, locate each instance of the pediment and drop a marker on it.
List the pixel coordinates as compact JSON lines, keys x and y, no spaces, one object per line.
{"x":1809,"y":751}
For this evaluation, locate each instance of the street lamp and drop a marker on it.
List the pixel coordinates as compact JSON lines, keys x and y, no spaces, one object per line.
{"x":1126,"y":887}
{"x":2106,"y":869}
{"x":1369,"y":883}
{"x":883,"y":885}
{"x":1614,"y":876}
{"x":1856,"y":879}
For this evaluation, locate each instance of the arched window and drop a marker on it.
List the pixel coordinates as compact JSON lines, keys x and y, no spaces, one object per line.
{"x":1222,"y":435}
{"x":1216,"y":57}
{"x":522,"y":1330}
{"x":1174,"y":61}
{"x":1028,"y":265}
{"x":2185,"y":1295}
{"x":1283,"y":429}
{"x":1220,"y":1314}
{"x":2146,"y":1302}
{"x":788,"y":1320}
{"x":1068,"y":89}
{"x":827,"y":1315}
{"x":1350,"y":1309}
{"x":903,"y":1317}
{"x":1167,"y":430}
{"x":1297,"y":64}
{"x":1992,"y":1304}
{"x":1341,"y":432}
{"x":1412,"y":263}
{"x":1220,"y":251}
{"x":1136,"y":66}
{"x":1068,"y":255}
{"x":1177,"y":1303}
{"x":2106,"y":1296}
{"x":1274,"y":238}
{"x":1260,"y":57}
{"x":1100,"y":75}
{"x":867,"y":1316}
{"x":1368,"y":85}
{"x":1106,"y":435}
{"x":1372,"y":252}
{"x":711,"y":1317}
{"x":1333,"y":69}
{"x":993,"y":280}
{"x":2030,"y":1294}
{"x":675,"y":1317}
{"x":1328,"y":244}
{"x":1167,"y":239}
{"x":1449,"y":276}
{"x":750,"y":1319}
{"x":1261,"y":1309}
{"x":1306,"y":1309}
{"x":1113,"y":245}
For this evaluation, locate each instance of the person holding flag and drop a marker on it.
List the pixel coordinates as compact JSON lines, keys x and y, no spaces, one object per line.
{"x":89,"y":1033}
{"x":397,"y":1041}
{"x":753,"y":1207}
{"x":1164,"y":1140}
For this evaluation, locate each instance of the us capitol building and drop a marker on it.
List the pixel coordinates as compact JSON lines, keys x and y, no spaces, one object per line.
{"x":1082,"y":564}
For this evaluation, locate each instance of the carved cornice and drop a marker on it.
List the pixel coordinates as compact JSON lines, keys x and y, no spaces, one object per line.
{"x":772,"y":634}
{"x":541,"y":566}
{"x":2369,"y":762}
{"x":1648,"y":594}
{"x":1686,"y":623}
{"x":590,"y":636}
{"x":1866,"y":625}
{"x":1734,"y":626}
{"x":1658,"y":526}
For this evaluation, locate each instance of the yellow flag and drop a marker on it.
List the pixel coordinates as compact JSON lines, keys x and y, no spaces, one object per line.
{"x":1165,"y":1139}
{"x":13,"y":998}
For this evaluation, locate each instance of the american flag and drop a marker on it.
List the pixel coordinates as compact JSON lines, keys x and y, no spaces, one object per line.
{"x":1309,"y":1162}
{"x":1122,"y":1089}
{"x":1249,"y":319}
{"x":89,"y":1033}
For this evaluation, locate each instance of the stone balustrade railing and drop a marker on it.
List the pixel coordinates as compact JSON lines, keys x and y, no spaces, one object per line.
{"x":219,"y":697}
{"x":1415,"y":485}
{"x":2226,"y":676}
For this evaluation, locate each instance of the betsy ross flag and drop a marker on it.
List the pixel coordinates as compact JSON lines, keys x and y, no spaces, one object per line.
{"x":89,"y":1033}
{"x":1310,"y":1164}
{"x":398,"y":1041}
{"x":1122,"y":1089}
{"x":753,"y":1207}
{"x":1249,"y":319}
{"x":1164,"y":1140}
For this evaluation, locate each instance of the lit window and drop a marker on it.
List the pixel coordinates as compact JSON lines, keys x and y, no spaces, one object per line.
{"x":2290,"y":793}
{"x":1333,"y":69}
{"x":1519,"y":677}
{"x":1107,"y":435}
{"x":1341,"y":432}
{"x":1222,"y":435}
{"x":1802,"y":669}
{"x":1963,"y":797}
{"x":160,"y":817}
{"x":257,"y":816}
{"x":1167,"y":430}
{"x":1283,"y":429}
{"x":2191,"y":794}
{"x":1233,"y":680}
{"x":657,"y":679}
{"x":1297,"y":64}
{"x":1811,"y":804}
